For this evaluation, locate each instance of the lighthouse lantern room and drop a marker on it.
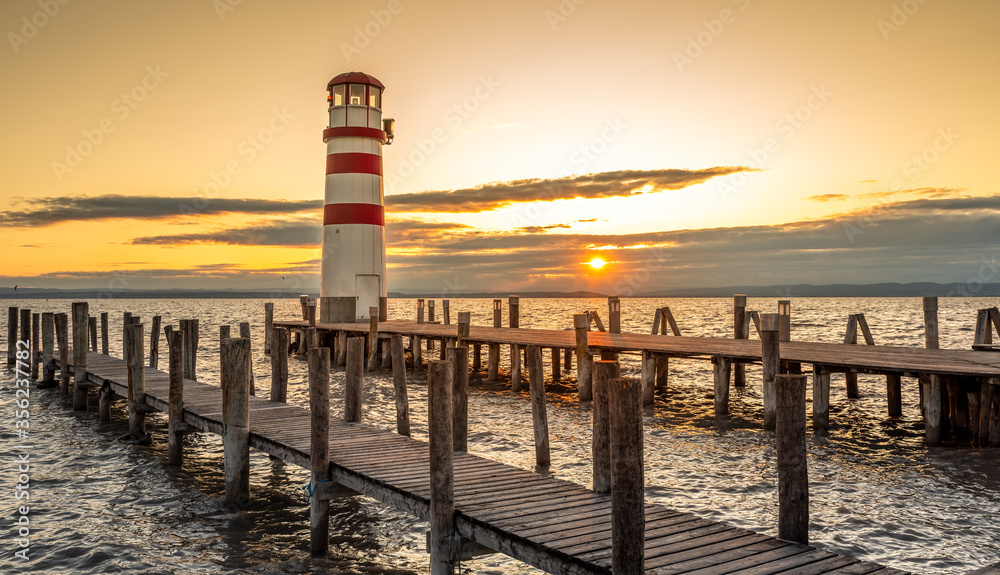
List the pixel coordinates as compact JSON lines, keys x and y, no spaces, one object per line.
{"x":353,"y":269}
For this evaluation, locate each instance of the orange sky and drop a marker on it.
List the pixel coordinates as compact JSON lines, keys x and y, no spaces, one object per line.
{"x":708,"y":143}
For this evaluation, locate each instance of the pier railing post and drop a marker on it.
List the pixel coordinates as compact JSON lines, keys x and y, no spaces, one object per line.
{"x":446,"y":311}
{"x":443,"y":540}
{"x":464,"y":325}
{"x":770,"y":363}
{"x":739,"y":332}
{"x":311,"y":313}
{"x":605,"y":371}
{"x":458,"y":357}
{"x":648,"y":377}
{"x":850,"y":338}
{"x":154,"y":343}
{"x":373,"y":338}
{"x":539,"y":417}
{"x":354,"y":378}
{"x":319,"y":448}
{"x":25,"y":324}
{"x":430,"y":311}
{"x":80,"y":321}
{"x":793,"y":477}
{"x":628,"y":531}
{"x":245,"y":334}
{"x":62,"y":337}
{"x":48,"y":347}
{"x":12,"y":317}
{"x":36,"y":337}
{"x":126,"y":321}
{"x":399,"y":386}
{"x":92,"y":328}
{"x":175,"y":398}
{"x":136,"y":383}
{"x":514,"y":317}
{"x":931,"y":341}
{"x":236,"y":419}
{"x":104,"y":333}
{"x":614,"y":314}
{"x":581,"y":323}
{"x":268,"y":326}
{"x":279,"y":364}
{"x":493,"y":367}
{"x":189,"y":327}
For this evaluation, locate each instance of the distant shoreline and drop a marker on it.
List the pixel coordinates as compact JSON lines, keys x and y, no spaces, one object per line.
{"x":775,"y":291}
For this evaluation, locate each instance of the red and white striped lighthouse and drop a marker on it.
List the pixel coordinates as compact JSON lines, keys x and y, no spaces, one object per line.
{"x":353,"y":270}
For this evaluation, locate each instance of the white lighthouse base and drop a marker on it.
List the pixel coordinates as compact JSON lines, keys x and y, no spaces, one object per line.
{"x":345,"y":310}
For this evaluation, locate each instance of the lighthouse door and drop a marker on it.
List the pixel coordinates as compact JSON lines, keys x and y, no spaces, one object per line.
{"x":368,"y":292}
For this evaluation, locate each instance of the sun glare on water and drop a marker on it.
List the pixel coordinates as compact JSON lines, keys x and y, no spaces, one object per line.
{"x":597,"y":263}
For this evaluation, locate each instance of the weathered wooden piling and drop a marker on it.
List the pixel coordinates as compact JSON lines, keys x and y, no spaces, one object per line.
{"x":189,"y":327}
{"x":36,"y":336}
{"x":894,"y":395}
{"x":539,"y":417}
{"x":477,"y":358}
{"x":372,"y":338}
{"x":126,"y":321}
{"x":341,"y":348}
{"x":104,"y":333}
{"x":458,"y":357}
{"x":354,"y":379}
{"x":514,"y":320}
{"x":12,"y":319}
{"x":80,"y":321}
{"x":628,"y":523}
{"x":399,"y":386}
{"x":420,"y":311}
{"x":493,"y":367}
{"x":279,"y":364}
{"x":464,"y":325}
{"x":443,"y":539}
{"x":720,"y":370}
{"x":245,"y":334}
{"x":48,"y":347}
{"x":268,"y":326}
{"x":319,"y":448}
{"x":136,"y":383}
{"x":154,"y":343}
{"x":793,"y":477}
{"x":605,"y":371}
{"x":236,"y":419}
{"x":311,"y":313}
{"x":446,"y":311}
{"x":739,"y":332}
{"x":92,"y":327}
{"x":648,"y":377}
{"x":581,"y":323}
{"x":851,"y":337}
{"x":933,"y":429}
{"x":770,"y":364}
{"x":62,"y":337}
{"x":930,"y":305}
{"x":175,"y":398}
{"x":25,"y":324}
{"x":304,"y":304}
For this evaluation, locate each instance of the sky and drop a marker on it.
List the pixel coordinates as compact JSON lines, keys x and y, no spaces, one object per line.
{"x":681,"y":143}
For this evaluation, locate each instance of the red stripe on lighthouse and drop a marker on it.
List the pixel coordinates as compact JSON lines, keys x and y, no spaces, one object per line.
{"x":354,"y":163}
{"x":354,"y":131}
{"x":336,"y":214}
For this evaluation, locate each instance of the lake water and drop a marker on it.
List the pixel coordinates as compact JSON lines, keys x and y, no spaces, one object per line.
{"x":876,"y":491}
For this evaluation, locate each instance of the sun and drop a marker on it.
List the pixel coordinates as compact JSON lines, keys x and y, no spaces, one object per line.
{"x":597,"y":263}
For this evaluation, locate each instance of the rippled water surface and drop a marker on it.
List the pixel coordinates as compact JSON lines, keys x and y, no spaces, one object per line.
{"x":876,"y":491}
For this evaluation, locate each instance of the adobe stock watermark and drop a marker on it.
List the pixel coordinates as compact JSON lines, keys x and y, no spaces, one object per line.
{"x":975,"y":283}
{"x":915,"y":167}
{"x":248,"y":149}
{"x":785,"y":128}
{"x":364,"y":34}
{"x":225,"y":7}
{"x":898,"y":17}
{"x":33,"y":24}
{"x":562,"y":12}
{"x":712,"y":30}
{"x":455,"y":116}
{"x":122,"y":107}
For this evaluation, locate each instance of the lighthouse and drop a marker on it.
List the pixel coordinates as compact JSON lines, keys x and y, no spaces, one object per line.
{"x":353,"y":270}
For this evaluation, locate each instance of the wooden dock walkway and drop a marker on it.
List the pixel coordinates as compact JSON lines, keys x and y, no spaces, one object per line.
{"x":555,"y":525}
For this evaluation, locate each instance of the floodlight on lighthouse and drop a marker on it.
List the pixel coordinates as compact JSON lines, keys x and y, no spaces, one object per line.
{"x":353,"y":277}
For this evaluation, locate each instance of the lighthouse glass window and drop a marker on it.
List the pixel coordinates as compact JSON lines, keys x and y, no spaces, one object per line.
{"x":357,"y":95}
{"x":373,"y":97}
{"x":338,"y":95}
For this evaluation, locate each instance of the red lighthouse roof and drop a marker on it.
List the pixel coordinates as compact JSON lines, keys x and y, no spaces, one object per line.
{"x":355,"y":78}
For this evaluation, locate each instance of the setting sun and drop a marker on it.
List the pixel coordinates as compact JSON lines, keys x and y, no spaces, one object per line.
{"x":597,"y":263}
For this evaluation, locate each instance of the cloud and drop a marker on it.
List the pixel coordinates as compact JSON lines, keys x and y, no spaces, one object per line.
{"x":293,"y":233}
{"x":497,"y":195}
{"x":828,"y":198}
{"x":49,"y":211}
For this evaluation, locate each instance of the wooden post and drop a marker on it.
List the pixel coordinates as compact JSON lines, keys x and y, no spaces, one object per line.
{"x":443,"y":540}
{"x":399,"y":386}
{"x":104,"y":333}
{"x":556,"y":371}
{"x":581,"y":322}
{"x":993,"y":411}
{"x":785,"y":319}
{"x":236,"y":419}
{"x":189,"y":327}
{"x":354,"y":378}
{"x":739,"y":332}
{"x":154,"y":343}
{"x":770,"y":326}
{"x":268,"y":326}
{"x":458,"y":357}
{"x":341,"y":348}
{"x":80,"y":321}
{"x":669,"y":317}
{"x":319,"y":448}
{"x":304,"y":304}
{"x":136,"y":383}
{"x":36,"y":336}
{"x":793,"y":477}
{"x":539,"y":418}
{"x":25,"y":324}
{"x":605,"y":371}
{"x":648,"y":377}
{"x":49,"y":348}
{"x":92,"y":328}
{"x":851,"y":337}
{"x":477,"y":357}
{"x":62,"y":337}
{"x":628,"y":523}
{"x":464,"y":325}
{"x":614,"y":314}
{"x":279,"y":364}
{"x":568,"y":359}
{"x":126,"y":321}
{"x":930,"y":305}
{"x":175,"y":398}
{"x":972,"y":400}
{"x":662,"y":372}
{"x":985,"y":401}
{"x":821,"y":399}
{"x":372,"y":338}
{"x":245,"y":334}
{"x":493,"y":368}
{"x":894,"y":394}
{"x":514,"y":319}
{"x":418,"y":361}
{"x":932,"y":410}
{"x":12,"y":318}
{"x":430,"y":311}
{"x":311,"y":313}
{"x":956,"y":404}
{"x":420,"y":311}
{"x":446,"y":311}
{"x":721,"y":369}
